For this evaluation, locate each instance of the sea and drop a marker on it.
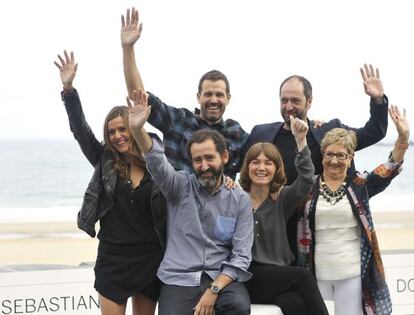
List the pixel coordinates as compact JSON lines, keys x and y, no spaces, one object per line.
{"x":44,"y":180}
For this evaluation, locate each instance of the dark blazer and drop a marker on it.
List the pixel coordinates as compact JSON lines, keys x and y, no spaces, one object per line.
{"x":374,"y":130}
{"x":98,"y":198}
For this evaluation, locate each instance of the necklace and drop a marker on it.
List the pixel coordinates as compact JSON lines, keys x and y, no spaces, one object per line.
{"x":332,"y":196}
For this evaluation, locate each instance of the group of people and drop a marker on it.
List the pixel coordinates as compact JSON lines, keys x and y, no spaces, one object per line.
{"x":176,"y":230}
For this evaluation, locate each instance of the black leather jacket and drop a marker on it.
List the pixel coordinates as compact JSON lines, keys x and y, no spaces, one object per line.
{"x":98,"y":199}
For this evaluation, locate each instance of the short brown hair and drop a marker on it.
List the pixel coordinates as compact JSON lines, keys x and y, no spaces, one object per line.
{"x":202,"y":135}
{"x":340,"y":136}
{"x":214,"y":75}
{"x":307,"y":86}
{"x":273,"y":154}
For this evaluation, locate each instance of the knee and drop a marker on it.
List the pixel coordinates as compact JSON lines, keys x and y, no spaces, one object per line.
{"x":241,"y":306}
{"x":291,"y":303}
{"x":234,"y":302}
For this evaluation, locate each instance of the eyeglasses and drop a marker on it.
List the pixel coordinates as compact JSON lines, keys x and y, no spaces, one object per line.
{"x":340,"y":156}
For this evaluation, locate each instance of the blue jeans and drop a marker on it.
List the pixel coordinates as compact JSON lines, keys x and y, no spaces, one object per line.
{"x":180,"y":300}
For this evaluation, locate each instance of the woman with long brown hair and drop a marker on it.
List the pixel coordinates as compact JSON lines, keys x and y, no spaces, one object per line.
{"x":122,"y":196}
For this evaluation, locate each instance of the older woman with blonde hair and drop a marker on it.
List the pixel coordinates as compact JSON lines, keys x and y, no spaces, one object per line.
{"x":336,"y":235}
{"x":293,"y":289}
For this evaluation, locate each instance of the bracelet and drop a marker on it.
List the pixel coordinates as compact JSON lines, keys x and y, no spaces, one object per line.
{"x":401,"y":146}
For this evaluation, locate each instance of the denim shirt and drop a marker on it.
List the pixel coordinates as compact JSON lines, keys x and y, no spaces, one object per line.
{"x":206,"y":232}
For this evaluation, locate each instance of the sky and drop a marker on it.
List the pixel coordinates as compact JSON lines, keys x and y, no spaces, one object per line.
{"x":255,"y":43}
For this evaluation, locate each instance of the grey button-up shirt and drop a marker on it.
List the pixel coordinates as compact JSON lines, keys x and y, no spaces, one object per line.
{"x":271,"y":244}
{"x":211,"y":233}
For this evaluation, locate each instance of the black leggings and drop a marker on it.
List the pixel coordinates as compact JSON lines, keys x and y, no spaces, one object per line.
{"x":293,"y":289}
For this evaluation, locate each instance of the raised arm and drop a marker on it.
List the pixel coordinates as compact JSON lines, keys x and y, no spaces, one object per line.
{"x":130,"y":33}
{"x":403,"y":128}
{"x":163,"y":116}
{"x":67,"y":69}
{"x":381,"y":176}
{"x":171,"y":182}
{"x":372,"y":83}
{"x":299,"y":130}
{"x":83,"y":134}
{"x":375,"y":128}
{"x":291,"y":196}
{"x":139,"y":112}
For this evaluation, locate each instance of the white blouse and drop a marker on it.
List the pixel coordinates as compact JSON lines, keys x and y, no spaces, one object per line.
{"x":337,"y":241}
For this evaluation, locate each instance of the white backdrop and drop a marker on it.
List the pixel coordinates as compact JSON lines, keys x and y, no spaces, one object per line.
{"x":255,"y":43}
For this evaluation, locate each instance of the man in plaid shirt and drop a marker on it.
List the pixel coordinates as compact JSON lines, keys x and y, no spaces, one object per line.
{"x":178,"y":124}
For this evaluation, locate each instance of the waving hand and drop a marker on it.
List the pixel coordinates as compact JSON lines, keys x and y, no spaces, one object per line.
{"x":401,"y":123}
{"x":403,"y":128}
{"x":67,"y":68}
{"x":139,"y":111}
{"x":131,"y":28}
{"x":372,"y":83}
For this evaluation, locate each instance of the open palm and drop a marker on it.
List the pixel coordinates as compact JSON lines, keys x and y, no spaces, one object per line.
{"x":67,"y":68}
{"x":400,"y":121}
{"x":139,"y":110}
{"x":372,"y":81}
{"x":131,"y":29}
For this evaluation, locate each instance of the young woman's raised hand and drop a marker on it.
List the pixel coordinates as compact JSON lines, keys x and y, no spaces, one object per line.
{"x":67,"y":68}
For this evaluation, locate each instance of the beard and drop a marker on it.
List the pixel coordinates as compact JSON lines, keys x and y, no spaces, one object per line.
{"x":210,"y":182}
{"x":296,"y":114}
{"x":211,"y":118}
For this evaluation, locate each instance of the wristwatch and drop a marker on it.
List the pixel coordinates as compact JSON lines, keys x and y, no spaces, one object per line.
{"x":215,"y":288}
{"x":391,"y":158}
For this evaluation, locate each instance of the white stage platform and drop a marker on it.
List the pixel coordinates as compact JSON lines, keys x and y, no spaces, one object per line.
{"x":56,"y":289}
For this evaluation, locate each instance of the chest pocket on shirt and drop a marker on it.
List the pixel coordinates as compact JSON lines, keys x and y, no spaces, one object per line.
{"x":224,"y":228}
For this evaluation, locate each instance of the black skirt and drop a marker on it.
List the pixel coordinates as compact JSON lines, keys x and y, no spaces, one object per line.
{"x":122,"y":271}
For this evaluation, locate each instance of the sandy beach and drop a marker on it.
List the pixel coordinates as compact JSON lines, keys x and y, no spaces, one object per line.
{"x":45,"y":243}
{"x":63,"y":243}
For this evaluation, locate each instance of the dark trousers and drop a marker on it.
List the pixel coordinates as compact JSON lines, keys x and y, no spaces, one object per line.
{"x":180,"y":300}
{"x":293,"y":289}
